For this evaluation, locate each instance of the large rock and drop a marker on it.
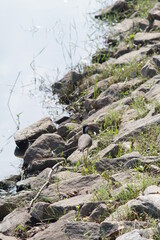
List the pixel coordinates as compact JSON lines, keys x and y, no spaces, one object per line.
{"x":39,"y":165}
{"x":19,"y":217}
{"x":108,"y":164}
{"x":65,"y":129}
{"x":88,"y":207}
{"x":74,"y":186}
{"x":3,"y":237}
{"x":51,"y":212}
{"x":5,"y":208}
{"x":138,"y":234}
{"x":112,"y":229}
{"x":149,"y":70}
{"x":102,"y":55}
{"x":156,"y":59}
{"x":144,"y":37}
{"x":46,"y":146}
{"x":149,"y":89}
{"x":129,"y":24}
{"x":156,"y":24}
{"x":149,"y":204}
{"x":30,"y":134}
{"x":56,"y":230}
{"x":135,"y":55}
{"x":118,"y":6}
{"x":115,"y":92}
{"x":82,"y":231}
{"x":112,"y":150}
{"x":134,"y":127}
{"x":154,"y":13}
{"x":99,"y":213}
{"x":67,"y":85}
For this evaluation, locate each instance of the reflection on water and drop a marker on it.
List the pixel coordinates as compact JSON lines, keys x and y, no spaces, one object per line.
{"x":40,"y":40}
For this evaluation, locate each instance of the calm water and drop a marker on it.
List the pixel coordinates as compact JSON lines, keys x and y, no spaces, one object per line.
{"x":40,"y":41}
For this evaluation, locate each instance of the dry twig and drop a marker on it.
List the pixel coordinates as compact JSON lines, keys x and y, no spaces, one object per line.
{"x":46,"y":184}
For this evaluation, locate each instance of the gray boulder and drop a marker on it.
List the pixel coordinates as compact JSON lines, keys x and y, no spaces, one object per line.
{"x":51,"y":212}
{"x":3,"y":237}
{"x":112,"y":229}
{"x":100,"y":213}
{"x":118,"y":6}
{"x":152,"y":190}
{"x":144,"y":37}
{"x":19,"y":216}
{"x":149,"y":70}
{"x":64,"y":130}
{"x":55,"y":230}
{"x":135,"y":55}
{"x":156,"y":59}
{"x":46,"y":146}
{"x":108,"y":164}
{"x":5,"y":208}
{"x":154,"y":13}
{"x":30,"y":134}
{"x":66,"y":85}
{"x":82,"y":231}
{"x":141,"y":234}
{"x":156,"y":24}
{"x":74,"y":186}
{"x":134,"y":127}
{"x":39,"y":165}
{"x":87,"y":208}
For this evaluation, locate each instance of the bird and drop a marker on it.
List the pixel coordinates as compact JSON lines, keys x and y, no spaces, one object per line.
{"x":84,"y":141}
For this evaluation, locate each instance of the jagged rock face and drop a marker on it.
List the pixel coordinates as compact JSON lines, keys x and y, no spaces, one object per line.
{"x":28,"y":135}
{"x":46,"y":146}
{"x":118,"y":6}
{"x":154,"y":13}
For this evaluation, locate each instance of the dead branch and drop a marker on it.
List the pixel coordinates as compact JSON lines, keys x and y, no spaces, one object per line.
{"x":46,"y":184}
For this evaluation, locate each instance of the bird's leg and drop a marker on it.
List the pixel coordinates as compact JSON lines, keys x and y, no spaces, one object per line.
{"x":86,"y":160}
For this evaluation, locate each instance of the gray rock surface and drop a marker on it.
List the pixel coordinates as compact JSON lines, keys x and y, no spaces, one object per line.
{"x":156,"y":59}
{"x":156,"y":24}
{"x":31,"y":133}
{"x":68,"y":82}
{"x":141,"y":38}
{"x":115,"y":163}
{"x":154,"y":13}
{"x":118,"y":6}
{"x":5,"y":208}
{"x":99,"y":213}
{"x":19,"y":216}
{"x":134,"y":127}
{"x":3,"y":237}
{"x":87,"y":208}
{"x":56,"y":230}
{"x":65,"y":129}
{"x":40,"y":165}
{"x":152,"y":190}
{"x":82,"y":231}
{"x":46,"y":146}
{"x":112,"y":229}
{"x":74,"y":186}
{"x":141,"y":234}
{"x":149,"y":70}
{"x":51,"y":212}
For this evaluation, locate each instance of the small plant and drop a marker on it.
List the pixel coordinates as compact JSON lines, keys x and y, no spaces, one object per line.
{"x":140,"y":104}
{"x":78,"y":217}
{"x":146,"y":141}
{"x":95,"y":90}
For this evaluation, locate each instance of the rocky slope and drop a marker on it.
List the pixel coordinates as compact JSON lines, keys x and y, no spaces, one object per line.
{"x":113,"y":191}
